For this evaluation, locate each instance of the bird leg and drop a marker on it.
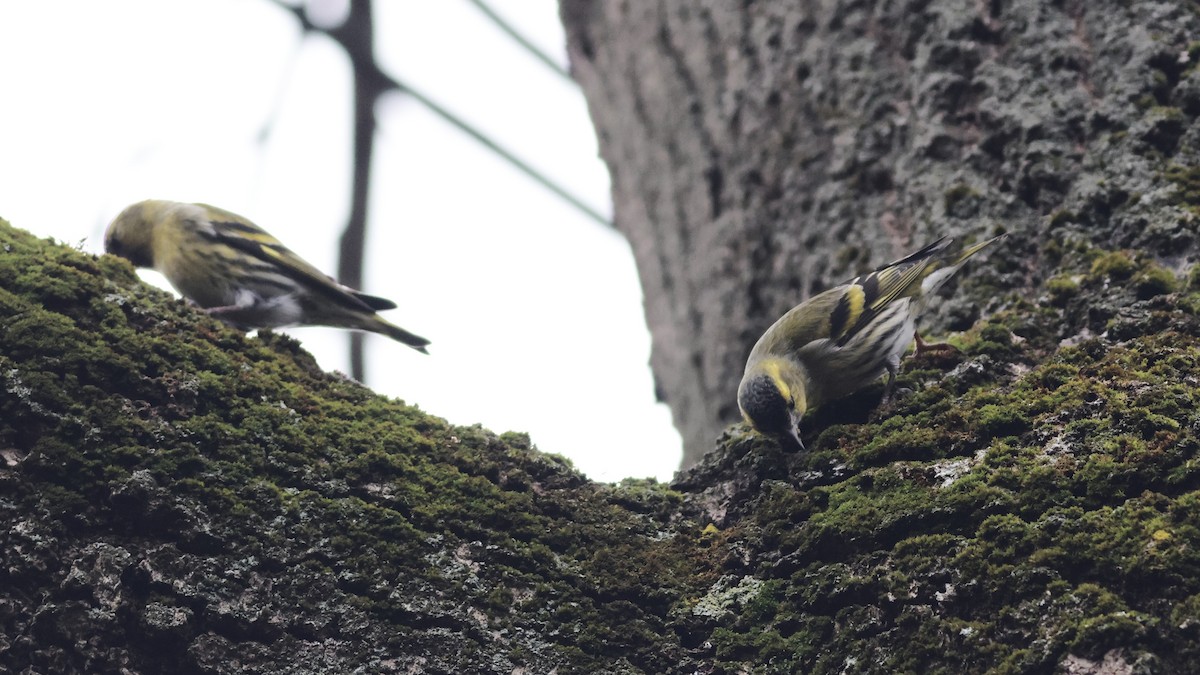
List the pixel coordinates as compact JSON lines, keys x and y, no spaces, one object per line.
{"x":239,"y":314}
{"x":892,"y":369}
{"x":250,"y":310}
{"x":243,"y":301}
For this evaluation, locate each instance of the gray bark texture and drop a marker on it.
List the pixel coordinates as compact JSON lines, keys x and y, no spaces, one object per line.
{"x":762,"y":151}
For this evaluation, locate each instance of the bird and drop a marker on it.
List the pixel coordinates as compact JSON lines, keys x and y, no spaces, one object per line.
{"x":239,"y":273}
{"x":842,"y":339}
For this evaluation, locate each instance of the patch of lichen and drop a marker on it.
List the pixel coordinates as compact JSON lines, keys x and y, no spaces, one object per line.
{"x":241,"y":480}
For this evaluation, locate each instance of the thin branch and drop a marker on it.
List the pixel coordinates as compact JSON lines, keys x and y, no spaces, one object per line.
{"x":356,"y":36}
{"x":520,"y":39}
{"x":358,"y":32}
{"x":363,"y":51}
{"x":517,"y":163}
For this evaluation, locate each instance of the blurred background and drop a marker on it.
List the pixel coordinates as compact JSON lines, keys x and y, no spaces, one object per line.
{"x":531,"y":300}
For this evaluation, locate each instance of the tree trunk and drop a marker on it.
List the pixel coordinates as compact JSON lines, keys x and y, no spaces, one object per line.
{"x":175,"y":496}
{"x":762,"y":151}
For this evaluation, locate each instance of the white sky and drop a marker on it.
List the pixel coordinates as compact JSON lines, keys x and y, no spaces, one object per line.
{"x":534,"y":311}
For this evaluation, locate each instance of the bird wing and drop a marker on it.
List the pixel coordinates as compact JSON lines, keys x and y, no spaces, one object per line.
{"x":243,"y":235}
{"x":840,"y":313}
{"x":863,"y":298}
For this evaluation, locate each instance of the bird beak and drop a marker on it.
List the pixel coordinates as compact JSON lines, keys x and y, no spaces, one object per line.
{"x":791,"y":441}
{"x":794,"y":429}
{"x":796,"y":437}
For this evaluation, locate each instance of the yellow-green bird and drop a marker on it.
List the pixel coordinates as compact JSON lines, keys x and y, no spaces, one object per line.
{"x":842,"y":339}
{"x":240,"y":274}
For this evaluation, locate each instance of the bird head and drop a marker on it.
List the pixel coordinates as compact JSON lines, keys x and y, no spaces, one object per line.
{"x":772,"y":398}
{"x":131,"y":233}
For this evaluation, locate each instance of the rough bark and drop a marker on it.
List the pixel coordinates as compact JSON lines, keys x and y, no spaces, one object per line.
{"x":761,"y":151}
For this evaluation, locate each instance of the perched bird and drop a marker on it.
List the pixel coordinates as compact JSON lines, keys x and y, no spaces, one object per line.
{"x":842,"y":339}
{"x":239,"y":273}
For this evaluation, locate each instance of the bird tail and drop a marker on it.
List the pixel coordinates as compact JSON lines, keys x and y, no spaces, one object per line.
{"x":373,"y":301}
{"x":972,"y":250}
{"x":916,"y":256}
{"x":938,"y":276}
{"x":384,"y":327}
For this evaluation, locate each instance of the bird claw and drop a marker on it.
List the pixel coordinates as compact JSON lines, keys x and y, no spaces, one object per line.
{"x":936,"y":348}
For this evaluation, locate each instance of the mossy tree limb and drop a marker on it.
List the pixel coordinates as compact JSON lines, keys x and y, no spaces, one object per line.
{"x":177,"y":496}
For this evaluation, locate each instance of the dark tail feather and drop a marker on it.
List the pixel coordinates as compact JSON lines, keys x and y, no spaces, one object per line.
{"x":384,"y":327}
{"x":374,"y":301}
{"x":945,"y":269}
{"x":972,"y":250}
{"x":919,"y":255}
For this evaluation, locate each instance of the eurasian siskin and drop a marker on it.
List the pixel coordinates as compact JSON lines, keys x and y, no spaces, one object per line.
{"x":842,"y":339}
{"x":240,"y":274}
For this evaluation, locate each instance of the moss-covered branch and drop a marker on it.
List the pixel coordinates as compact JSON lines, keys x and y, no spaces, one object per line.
{"x":175,"y":493}
{"x":175,"y":496}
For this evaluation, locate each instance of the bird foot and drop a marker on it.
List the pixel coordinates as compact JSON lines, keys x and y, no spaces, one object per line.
{"x":934,"y":348}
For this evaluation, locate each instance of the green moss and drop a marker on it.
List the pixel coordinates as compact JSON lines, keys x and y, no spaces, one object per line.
{"x":846,"y":256}
{"x":1168,"y":112}
{"x":1061,"y":289}
{"x":958,"y":195}
{"x":1187,"y":184}
{"x":998,"y":420}
{"x":1192,"y":283}
{"x":993,"y":339}
{"x":1115,"y":265}
{"x":1062,"y":217}
{"x":1154,"y":280}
